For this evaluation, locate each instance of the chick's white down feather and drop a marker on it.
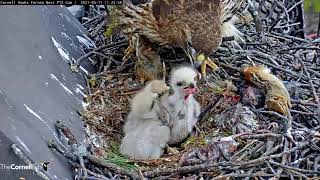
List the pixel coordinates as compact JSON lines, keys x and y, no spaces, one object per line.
{"x":142,"y":102}
{"x":146,"y":141}
{"x":145,"y":135}
{"x":184,"y":112}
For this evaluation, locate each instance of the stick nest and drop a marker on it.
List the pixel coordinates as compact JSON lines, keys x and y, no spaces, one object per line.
{"x":235,"y":137}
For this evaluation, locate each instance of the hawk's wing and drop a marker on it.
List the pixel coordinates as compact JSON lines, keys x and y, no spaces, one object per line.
{"x":170,"y":23}
{"x":229,"y":8}
{"x":187,"y":22}
{"x":139,"y":20}
{"x":163,"y":9}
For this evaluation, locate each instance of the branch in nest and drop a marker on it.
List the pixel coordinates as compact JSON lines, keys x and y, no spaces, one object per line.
{"x":263,"y":159}
{"x":75,"y":66}
{"x":294,"y":168}
{"x":257,"y":19}
{"x":114,"y":168}
{"x":312,"y":86}
{"x":182,"y":170}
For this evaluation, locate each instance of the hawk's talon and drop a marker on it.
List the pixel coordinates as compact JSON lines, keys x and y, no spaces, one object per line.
{"x":204,"y":69}
{"x":210,"y":63}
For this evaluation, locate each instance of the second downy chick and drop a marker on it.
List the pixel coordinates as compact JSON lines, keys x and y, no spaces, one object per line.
{"x":143,"y":102}
{"x":145,"y":132}
{"x":146,"y":141}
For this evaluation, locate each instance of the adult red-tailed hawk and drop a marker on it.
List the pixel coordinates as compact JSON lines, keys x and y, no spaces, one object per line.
{"x":196,"y":26}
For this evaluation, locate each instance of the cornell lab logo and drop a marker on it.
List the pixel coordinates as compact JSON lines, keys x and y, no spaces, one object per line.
{"x":45,"y":165}
{"x":40,"y":165}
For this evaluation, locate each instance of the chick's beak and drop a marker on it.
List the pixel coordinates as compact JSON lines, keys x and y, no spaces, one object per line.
{"x":189,"y":90}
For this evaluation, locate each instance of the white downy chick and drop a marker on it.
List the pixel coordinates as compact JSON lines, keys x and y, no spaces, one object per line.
{"x":183,"y":107}
{"x":146,"y":141}
{"x":145,"y":132}
{"x":143,"y":101}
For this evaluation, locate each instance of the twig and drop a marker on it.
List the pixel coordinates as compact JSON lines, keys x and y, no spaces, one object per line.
{"x":251,"y":151}
{"x":98,"y":28}
{"x":104,"y":56}
{"x":304,"y":103}
{"x":93,"y":19}
{"x":257,"y":19}
{"x":316,"y":165}
{"x":284,"y":159}
{"x":274,"y":114}
{"x":85,"y":173}
{"x":228,"y":66}
{"x":261,"y":159}
{"x":311,"y":83}
{"x":97,"y":175}
{"x":300,"y":47}
{"x":115,"y":168}
{"x":243,"y":149}
{"x":181,"y":170}
{"x":269,"y":57}
{"x":303,"y":113}
{"x":271,"y":168}
{"x":274,"y":149}
{"x":293,"y":168}
{"x":312,"y":86}
{"x":289,"y":127}
{"x":257,"y":136}
{"x":298,"y":173}
{"x":234,"y":175}
{"x":274,"y":34}
{"x":72,"y":159}
{"x":120,"y":68}
{"x":79,"y":60}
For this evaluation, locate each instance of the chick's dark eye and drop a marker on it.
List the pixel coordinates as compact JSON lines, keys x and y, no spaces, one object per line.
{"x":179,"y":83}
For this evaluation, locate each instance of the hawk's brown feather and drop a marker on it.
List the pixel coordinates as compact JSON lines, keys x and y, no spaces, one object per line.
{"x":176,"y":22}
{"x":183,"y":21}
{"x":180,"y":23}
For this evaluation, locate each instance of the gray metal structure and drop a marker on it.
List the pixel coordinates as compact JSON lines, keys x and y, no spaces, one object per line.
{"x":37,"y":87}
